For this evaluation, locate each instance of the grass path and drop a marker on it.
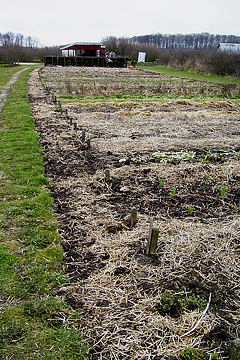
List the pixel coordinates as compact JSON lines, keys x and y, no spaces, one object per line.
{"x":35,"y":319}
{"x":219,"y":79}
{"x":6,"y":74}
{"x":7,"y":87}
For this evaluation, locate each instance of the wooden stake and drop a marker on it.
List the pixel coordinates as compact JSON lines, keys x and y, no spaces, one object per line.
{"x":133,"y":216}
{"x":149,"y":237}
{"x":152,"y":239}
{"x":101,"y":163}
{"x":107,"y":175}
{"x":83,"y":135}
{"x":153,"y":247}
{"x":235,"y":350}
{"x":54,"y":99}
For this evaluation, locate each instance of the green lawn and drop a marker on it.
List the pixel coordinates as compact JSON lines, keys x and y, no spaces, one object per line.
{"x":34,"y":323}
{"x":6,"y":73}
{"x":190,"y":75}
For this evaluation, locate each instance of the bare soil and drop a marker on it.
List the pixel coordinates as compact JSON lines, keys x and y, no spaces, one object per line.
{"x":176,"y":161}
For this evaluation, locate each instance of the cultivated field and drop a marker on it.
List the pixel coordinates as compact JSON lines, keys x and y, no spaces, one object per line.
{"x":172,"y":147}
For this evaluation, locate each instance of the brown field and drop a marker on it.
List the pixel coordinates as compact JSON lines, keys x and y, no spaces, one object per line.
{"x":176,"y":161}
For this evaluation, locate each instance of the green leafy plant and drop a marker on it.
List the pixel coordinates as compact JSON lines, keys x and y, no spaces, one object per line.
{"x":165,"y":306}
{"x":173,"y":304}
{"x":174,"y":191}
{"x":192,"y":302}
{"x":190,"y":209}
{"x":193,"y":354}
{"x":223,"y":190}
{"x":206,"y":180}
{"x":160,"y":181}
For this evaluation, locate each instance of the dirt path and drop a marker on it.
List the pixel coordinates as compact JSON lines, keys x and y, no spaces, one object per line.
{"x":5,"y":92}
{"x":113,"y":286}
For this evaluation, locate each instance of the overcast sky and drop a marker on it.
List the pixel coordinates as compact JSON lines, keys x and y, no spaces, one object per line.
{"x":59,"y":22}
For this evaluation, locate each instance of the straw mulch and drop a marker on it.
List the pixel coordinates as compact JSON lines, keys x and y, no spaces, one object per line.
{"x":113,"y":286}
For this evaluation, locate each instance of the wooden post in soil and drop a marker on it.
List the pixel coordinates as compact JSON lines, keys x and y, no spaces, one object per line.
{"x":107,"y":175}
{"x":59,"y":105}
{"x":88,"y":141}
{"x":101,"y":163}
{"x":133,"y":216}
{"x":235,"y":350}
{"x":152,"y":239}
{"x":54,"y":98}
{"x":83,"y":137}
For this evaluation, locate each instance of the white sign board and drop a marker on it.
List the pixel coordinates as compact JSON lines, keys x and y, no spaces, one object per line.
{"x":141,"y":56}
{"x":229,"y":47}
{"x":71,"y":52}
{"x":64,"y":52}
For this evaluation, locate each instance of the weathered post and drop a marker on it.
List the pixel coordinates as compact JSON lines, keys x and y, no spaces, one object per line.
{"x":59,"y":105}
{"x":83,"y":137}
{"x":152,"y":239}
{"x":107,"y":175}
{"x":235,"y":350}
{"x":153,"y":247}
{"x":88,"y":141}
{"x":133,"y":216}
{"x":54,"y":99}
{"x":149,"y":236}
{"x":101,"y":163}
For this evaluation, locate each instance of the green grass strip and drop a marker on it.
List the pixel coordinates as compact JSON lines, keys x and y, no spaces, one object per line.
{"x":34,"y":322}
{"x":6,"y":73}
{"x":166,"y":70}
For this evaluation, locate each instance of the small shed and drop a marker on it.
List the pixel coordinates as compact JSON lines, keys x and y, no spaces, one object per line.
{"x":83,"y":49}
{"x":229,"y":47}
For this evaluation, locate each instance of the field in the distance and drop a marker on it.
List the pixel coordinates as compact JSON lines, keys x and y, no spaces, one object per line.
{"x":172,"y":147}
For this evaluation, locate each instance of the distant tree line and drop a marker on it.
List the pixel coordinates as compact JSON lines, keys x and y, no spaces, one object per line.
{"x":194,"y":52}
{"x":204,"y":61}
{"x":17,"y":47}
{"x":11,"y":39}
{"x":188,"y":41}
{"x":125,"y":47}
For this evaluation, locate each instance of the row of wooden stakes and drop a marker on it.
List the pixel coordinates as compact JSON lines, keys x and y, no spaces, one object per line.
{"x":153,"y":231}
